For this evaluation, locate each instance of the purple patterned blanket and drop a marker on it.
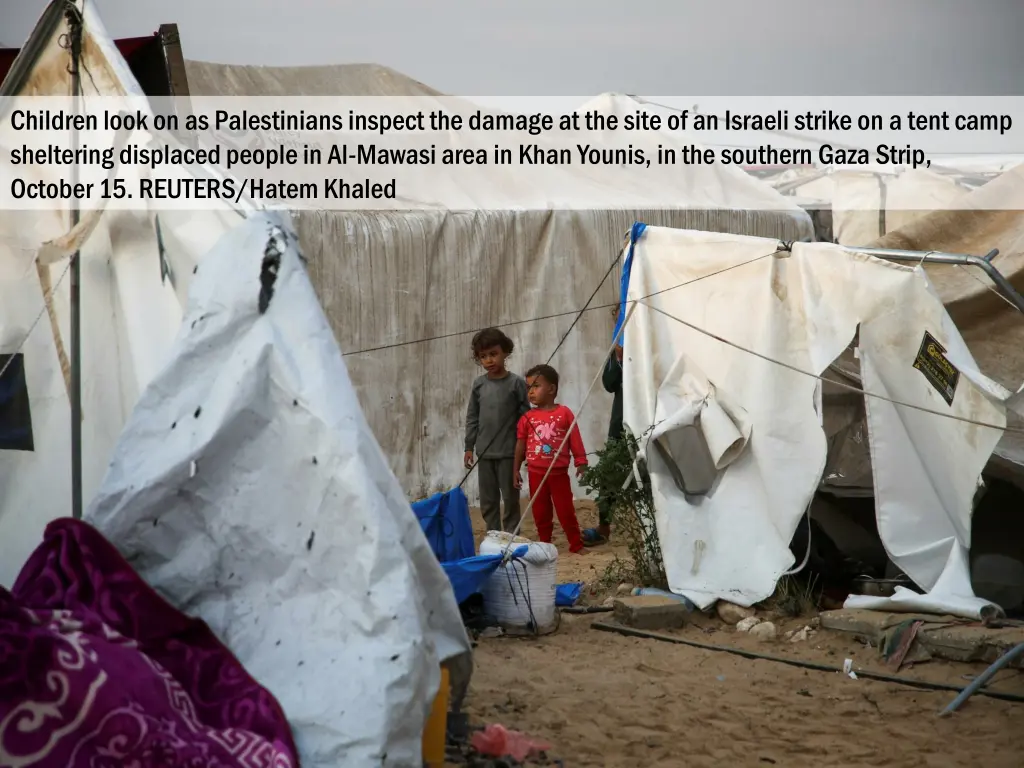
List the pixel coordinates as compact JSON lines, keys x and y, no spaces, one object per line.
{"x":98,"y":671}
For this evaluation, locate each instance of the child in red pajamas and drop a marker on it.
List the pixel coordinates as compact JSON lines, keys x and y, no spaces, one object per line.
{"x":540,"y":434}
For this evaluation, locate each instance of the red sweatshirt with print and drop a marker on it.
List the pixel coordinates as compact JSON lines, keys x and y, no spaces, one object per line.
{"x":544,"y":432}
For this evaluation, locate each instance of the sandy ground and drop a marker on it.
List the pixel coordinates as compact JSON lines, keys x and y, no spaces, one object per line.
{"x":602,"y":699}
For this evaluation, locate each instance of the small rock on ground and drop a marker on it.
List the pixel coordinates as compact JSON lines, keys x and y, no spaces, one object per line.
{"x":731,"y":613}
{"x":764,"y":631}
{"x":747,"y":624}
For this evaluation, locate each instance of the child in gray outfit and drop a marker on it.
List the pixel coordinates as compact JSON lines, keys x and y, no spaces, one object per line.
{"x":496,"y":403}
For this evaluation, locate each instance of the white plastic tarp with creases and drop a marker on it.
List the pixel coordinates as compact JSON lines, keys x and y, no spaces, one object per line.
{"x":248,"y":489}
{"x":795,"y":312}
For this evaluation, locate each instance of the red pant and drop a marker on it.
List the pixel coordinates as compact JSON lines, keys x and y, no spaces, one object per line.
{"x":557,"y":491}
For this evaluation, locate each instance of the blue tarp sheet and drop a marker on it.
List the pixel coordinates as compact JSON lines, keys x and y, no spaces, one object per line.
{"x":444,"y":518}
{"x":566,"y":595}
{"x":468,"y":575}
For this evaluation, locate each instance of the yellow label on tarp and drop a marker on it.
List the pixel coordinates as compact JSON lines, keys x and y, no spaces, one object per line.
{"x":941,"y":374}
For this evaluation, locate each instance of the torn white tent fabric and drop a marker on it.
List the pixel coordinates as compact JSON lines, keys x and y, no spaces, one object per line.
{"x":801,"y":309}
{"x":939,"y":461}
{"x":249,"y":490}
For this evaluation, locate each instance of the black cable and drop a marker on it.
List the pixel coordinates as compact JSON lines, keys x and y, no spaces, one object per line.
{"x":539,"y":318}
{"x":865,"y":674}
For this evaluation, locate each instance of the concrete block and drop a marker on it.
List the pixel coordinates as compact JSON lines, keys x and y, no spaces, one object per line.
{"x":650,"y":612}
{"x":869,"y":625}
{"x":942,"y":637}
{"x":972,"y":643}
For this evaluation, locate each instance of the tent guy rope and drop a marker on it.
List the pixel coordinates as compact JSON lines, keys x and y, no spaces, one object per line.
{"x":28,"y":333}
{"x":850,"y":387}
{"x":553,"y":316}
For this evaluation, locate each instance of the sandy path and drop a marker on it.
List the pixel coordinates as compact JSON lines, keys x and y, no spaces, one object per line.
{"x":606,"y":700}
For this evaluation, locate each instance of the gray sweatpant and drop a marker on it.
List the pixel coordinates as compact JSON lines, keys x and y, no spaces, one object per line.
{"x":496,"y":485}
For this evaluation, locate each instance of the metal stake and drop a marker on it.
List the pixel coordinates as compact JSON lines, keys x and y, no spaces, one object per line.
{"x":75,"y":23}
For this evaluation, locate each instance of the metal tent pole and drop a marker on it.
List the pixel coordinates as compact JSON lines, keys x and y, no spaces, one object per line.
{"x":938,"y":257}
{"x":75,"y":30}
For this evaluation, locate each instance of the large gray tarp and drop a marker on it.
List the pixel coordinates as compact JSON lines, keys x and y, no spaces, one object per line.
{"x":404,"y":290}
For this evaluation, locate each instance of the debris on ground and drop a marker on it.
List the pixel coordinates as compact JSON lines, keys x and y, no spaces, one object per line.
{"x":848,"y":669}
{"x":800,"y":635}
{"x":899,"y":645}
{"x":764,"y":631}
{"x":494,"y":746}
{"x":731,"y":613}
{"x":747,"y":624}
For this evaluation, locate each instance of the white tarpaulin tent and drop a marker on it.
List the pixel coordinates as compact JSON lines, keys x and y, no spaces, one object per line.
{"x":248,"y":488}
{"x":867,"y":204}
{"x":761,"y":420}
{"x":129,"y":315}
{"x":129,"y":312}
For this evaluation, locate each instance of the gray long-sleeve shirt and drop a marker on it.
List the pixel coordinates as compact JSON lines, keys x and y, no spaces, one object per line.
{"x":495,"y":406}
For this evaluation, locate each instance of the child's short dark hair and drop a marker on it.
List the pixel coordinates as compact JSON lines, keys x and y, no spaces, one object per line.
{"x":489,"y":338}
{"x":548,"y":373}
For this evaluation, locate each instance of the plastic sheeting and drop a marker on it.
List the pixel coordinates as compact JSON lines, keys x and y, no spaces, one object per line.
{"x":444,"y":518}
{"x":800,"y":309}
{"x":469,"y":575}
{"x":249,"y":490}
{"x":567,"y":595}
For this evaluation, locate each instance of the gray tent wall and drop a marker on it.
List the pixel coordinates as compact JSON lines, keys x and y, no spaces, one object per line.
{"x":387,"y":279}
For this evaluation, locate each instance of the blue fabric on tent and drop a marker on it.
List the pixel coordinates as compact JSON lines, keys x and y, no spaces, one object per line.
{"x":468,"y":575}
{"x":635,"y":234}
{"x":566,"y":595}
{"x":444,"y":518}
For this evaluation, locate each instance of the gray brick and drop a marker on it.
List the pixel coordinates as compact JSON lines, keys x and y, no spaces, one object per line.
{"x":650,"y":612}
